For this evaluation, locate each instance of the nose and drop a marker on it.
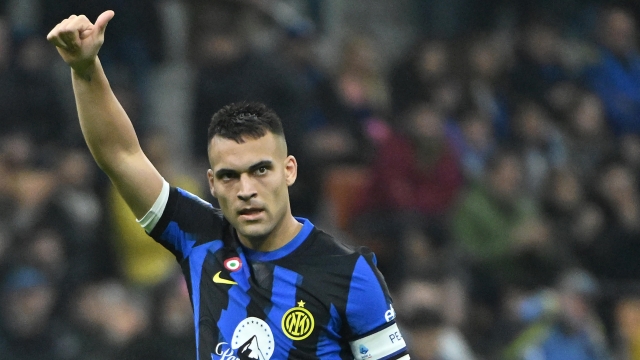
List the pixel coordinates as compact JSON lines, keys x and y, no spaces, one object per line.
{"x":246,"y":190}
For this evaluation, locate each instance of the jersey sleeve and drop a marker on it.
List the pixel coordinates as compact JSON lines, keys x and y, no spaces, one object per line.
{"x":179,"y":221}
{"x":370,"y":315}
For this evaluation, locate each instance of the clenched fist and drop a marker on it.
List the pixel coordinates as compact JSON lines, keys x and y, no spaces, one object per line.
{"x":78,"y":40}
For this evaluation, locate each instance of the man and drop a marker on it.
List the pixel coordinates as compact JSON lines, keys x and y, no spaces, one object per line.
{"x":615,"y":78}
{"x":561,"y":323}
{"x":263,"y":284}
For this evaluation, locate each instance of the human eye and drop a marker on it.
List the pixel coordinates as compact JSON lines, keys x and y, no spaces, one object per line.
{"x":227,"y":176}
{"x":262,"y":170}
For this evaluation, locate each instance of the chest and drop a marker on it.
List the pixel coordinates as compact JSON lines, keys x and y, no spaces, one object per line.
{"x":276,"y":307}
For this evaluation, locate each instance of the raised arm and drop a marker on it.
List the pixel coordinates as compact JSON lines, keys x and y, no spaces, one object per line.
{"x":105,"y":125}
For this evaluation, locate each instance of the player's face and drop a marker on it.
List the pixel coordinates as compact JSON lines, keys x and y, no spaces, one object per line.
{"x":250,"y":181}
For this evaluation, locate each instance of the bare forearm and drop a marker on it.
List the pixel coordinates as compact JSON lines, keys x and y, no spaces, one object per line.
{"x":105,"y":125}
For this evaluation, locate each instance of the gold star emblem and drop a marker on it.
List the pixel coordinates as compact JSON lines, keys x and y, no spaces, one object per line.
{"x":301,"y":303}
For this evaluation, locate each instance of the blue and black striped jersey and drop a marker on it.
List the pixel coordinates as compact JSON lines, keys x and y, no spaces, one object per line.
{"x":314,"y":298}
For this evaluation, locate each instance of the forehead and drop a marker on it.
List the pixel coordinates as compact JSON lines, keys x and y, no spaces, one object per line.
{"x":228,"y":154}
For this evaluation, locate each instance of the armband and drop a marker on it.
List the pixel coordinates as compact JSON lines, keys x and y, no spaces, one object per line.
{"x":384,"y":344}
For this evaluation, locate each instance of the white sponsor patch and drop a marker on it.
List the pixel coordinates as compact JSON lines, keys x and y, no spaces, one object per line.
{"x":252,"y":339}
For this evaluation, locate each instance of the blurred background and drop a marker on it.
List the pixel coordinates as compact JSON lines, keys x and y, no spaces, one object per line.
{"x":487,"y":151}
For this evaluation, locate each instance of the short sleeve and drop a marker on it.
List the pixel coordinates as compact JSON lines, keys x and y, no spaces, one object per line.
{"x":370,"y":314}
{"x":187,"y":221}
{"x":151,"y":218}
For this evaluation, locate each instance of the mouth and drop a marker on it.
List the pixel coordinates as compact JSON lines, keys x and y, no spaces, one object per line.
{"x":249,"y":214}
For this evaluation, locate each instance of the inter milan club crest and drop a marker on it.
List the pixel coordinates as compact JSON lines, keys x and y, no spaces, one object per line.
{"x":233,"y":264}
{"x":297,"y":322}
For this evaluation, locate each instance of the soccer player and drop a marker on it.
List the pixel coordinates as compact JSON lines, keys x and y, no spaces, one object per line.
{"x":263,"y":284}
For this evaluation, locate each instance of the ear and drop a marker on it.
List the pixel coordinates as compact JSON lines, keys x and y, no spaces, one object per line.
{"x":210,"y":178}
{"x":291,"y":169}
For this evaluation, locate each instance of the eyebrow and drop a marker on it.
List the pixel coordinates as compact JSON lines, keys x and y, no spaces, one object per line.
{"x":264,"y":163}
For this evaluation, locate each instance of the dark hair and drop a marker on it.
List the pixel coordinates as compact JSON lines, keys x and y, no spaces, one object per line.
{"x":246,"y":119}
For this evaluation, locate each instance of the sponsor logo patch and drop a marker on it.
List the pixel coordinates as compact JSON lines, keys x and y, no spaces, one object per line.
{"x":390,"y":314}
{"x":252,"y":339}
{"x":218,"y":280}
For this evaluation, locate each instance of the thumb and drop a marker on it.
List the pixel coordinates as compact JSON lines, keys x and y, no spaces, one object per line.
{"x":103,"y":20}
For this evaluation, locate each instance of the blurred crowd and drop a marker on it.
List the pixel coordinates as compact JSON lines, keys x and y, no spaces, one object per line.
{"x":488,"y":152}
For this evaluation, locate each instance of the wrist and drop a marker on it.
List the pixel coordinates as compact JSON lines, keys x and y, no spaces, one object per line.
{"x":85,"y":70}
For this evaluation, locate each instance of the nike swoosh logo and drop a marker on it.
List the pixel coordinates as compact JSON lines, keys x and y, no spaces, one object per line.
{"x":218,"y":280}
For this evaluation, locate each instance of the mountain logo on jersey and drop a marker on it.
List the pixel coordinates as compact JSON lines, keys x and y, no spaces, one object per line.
{"x":297,"y":322}
{"x":252,"y":340}
{"x":233,"y":264}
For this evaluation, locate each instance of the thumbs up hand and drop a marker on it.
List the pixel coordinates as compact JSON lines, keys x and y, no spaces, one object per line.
{"x":78,"y":40}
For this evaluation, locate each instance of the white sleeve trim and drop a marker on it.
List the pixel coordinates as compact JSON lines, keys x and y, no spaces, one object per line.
{"x":385,"y":342}
{"x":150,"y":219}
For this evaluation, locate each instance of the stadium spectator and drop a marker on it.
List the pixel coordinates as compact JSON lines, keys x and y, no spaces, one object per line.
{"x":331,"y":133}
{"x":617,"y":248}
{"x":486,"y":84}
{"x":32,"y":94}
{"x":541,"y":144}
{"x":28,"y":330}
{"x":360,"y":82}
{"x":538,"y":66}
{"x":616,"y":76}
{"x":172,"y":323}
{"x":627,"y":338}
{"x":76,"y":211}
{"x":415,"y":178}
{"x":576,"y":219}
{"x":431,"y":339}
{"x":478,"y":143}
{"x":110,"y":322}
{"x":414,"y":77}
{"x":505,"y":241}
{"x":590,"y":140}
{"x":562,"y":325}
{"x":416,"y":169}
{"x":489,"y":213}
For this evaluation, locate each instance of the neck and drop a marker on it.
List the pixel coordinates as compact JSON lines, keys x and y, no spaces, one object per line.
{"x":281,"y":235}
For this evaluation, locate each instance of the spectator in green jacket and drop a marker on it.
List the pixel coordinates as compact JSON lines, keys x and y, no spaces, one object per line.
{"x":503,"y":239}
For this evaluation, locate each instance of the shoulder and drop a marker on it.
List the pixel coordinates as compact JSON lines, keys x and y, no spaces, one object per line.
{"x":323,"y":243}
{"x":325,"y":246}
{"x":325,"y":256}
{"x":189,"y":213}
